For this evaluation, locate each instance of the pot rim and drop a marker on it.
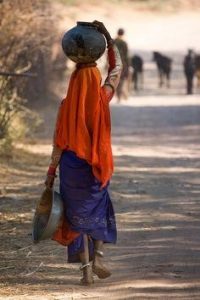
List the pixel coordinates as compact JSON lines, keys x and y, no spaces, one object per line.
{"x":82,"y":23}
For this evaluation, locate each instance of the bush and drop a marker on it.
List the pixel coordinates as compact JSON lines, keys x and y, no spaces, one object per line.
{"x":25,"y":40}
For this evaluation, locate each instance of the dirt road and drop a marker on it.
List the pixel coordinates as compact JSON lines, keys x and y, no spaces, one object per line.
{"x":155,"y":190}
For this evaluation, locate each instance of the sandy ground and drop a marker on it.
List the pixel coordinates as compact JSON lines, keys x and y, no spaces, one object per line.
{"x":155,"y":191}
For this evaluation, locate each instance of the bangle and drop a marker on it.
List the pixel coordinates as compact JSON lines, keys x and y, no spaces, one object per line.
{"x":110,"y":43}
{"x":52,"y":176}
{"x":51,"y":171}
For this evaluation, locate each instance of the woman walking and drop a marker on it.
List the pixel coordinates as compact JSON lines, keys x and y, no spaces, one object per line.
{"x":82,"y":149}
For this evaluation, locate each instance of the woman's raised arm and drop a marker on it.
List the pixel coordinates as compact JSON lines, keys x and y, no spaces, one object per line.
{"x":114,"y":60}
{"x":114,"y":71}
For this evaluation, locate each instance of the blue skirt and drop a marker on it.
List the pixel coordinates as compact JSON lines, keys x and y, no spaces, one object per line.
{"x":88,"y":209}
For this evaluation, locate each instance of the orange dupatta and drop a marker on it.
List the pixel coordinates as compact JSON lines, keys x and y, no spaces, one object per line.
{"x":83,"y":123}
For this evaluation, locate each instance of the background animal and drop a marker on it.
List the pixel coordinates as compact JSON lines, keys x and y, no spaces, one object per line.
{"x":137,"y":65}
{"x":164,"y":68}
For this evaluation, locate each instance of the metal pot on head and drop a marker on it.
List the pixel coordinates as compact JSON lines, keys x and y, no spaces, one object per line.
{"x":83,"y":43}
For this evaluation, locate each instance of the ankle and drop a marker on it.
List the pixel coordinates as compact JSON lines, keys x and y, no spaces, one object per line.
{"x":99,"y":252}
{"x":84,"y":266}
{"x":97,"y":260}
{"x":87,"y":274}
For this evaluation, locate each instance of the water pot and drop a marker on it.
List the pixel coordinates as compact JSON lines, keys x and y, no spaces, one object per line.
{"x":83,"y":43}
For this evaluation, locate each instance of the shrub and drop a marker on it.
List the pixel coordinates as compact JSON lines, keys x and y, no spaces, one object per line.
{"x":25,"y":40}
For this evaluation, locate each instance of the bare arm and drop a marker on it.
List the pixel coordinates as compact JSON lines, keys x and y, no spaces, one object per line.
{"x":115,"y":68}
{"x":114,"y":60}
{"x":55,"y":156}
{"x":55,"y":159}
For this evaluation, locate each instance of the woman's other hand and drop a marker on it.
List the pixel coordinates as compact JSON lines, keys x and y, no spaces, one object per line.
{"x":51,"y":174}
{"x":49,"y":182}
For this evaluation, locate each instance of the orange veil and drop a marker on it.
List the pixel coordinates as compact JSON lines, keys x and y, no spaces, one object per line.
{"x":83,"y":123}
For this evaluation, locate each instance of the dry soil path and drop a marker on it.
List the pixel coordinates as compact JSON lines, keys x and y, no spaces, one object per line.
{"x":155,"y":191}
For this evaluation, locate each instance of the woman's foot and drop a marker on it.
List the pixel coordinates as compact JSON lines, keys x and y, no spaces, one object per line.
{"x":87,"y":278}
{"x":99,"y":269}
{"x":84,"y":258}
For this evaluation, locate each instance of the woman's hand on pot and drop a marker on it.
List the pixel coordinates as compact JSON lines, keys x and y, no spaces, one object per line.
{"x":101,"y":28}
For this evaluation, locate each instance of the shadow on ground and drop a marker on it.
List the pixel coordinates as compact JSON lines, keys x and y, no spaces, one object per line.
{"x":155,"y":191}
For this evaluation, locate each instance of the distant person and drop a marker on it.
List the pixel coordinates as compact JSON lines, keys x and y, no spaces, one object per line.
{"x":197,"y":69}
{"x":123,"y":50}
{"x":189,"y":70}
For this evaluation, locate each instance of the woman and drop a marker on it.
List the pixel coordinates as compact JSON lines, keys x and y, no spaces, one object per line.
{"x":82,"y":149}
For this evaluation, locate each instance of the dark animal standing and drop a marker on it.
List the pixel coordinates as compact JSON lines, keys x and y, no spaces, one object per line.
{"x":137,"y":64}
{"x":164,"y":68}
